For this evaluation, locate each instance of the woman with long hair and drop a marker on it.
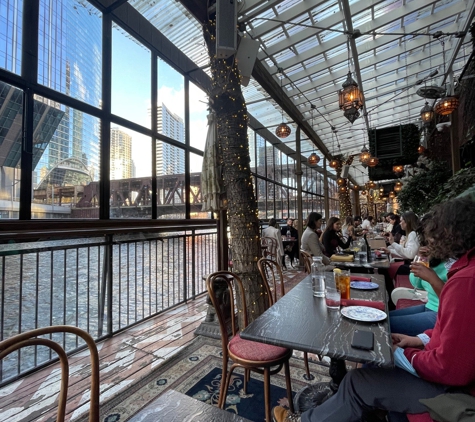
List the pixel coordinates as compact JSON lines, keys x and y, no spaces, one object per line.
{"x":332,"y":237}
{"x":401,"y":253}
{"x":396,"y":230}
{"x":348,"y":229}
{"x":310,"y":241}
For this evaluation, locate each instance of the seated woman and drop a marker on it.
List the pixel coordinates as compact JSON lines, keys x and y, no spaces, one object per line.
{"x":291,"y":248}
{"x":403,"y":253}
{"x":332,"y":237}
{"x":348,"y":229}
{"x":396,"y":230}
{"x":417,"y":319}
{"x":310,"y":241}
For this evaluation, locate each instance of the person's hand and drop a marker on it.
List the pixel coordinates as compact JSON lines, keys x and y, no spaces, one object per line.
{"x":391,"y":239}
{"x":421,"y":271}
{"x":385,"y":250}
{"x":424,"y":251}
{"x":403,"y":341}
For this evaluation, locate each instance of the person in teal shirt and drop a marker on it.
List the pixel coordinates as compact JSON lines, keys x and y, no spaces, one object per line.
{"x":416,"y":319}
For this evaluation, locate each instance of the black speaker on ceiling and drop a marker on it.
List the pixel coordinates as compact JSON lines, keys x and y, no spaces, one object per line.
{"x":226,"y":28}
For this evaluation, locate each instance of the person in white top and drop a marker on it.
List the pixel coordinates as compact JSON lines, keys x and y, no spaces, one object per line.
{"x":409,"y":244}
{"x":274,"y":232}
{"x":406,"y":250}
{"x":366,"y":224}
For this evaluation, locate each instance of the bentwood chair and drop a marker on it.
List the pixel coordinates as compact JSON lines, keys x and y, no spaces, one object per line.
{"x":307,"y":261}
{"x":32,"y":338}
{"x":271,"y":272}
{"x":227,"y":294}
{"x":271,"y":250}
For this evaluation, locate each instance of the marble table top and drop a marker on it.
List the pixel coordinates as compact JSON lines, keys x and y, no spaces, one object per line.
{"x":301,"y":321}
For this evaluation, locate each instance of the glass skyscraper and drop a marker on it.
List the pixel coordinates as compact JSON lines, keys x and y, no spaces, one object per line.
{"x":66,"y":141}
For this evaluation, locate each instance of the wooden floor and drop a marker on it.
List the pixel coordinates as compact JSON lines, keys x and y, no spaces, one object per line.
{"x":124,"y":359}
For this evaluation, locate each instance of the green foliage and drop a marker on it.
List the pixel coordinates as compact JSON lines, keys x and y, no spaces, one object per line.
{"x":457,"y":184}
{"x":422,"y":191}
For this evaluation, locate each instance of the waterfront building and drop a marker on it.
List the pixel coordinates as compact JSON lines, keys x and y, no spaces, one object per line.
{"x":169,"y":157}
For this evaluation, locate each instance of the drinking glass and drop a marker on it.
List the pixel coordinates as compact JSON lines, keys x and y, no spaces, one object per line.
{"x":344,"y":284}
{"x":424,"y":261}
{"x":332,"y":298}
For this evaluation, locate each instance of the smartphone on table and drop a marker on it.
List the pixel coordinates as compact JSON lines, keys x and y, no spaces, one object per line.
{"x":362,"y":340}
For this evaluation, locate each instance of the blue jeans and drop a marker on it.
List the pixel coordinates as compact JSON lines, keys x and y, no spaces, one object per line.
{"x":412,"y":321}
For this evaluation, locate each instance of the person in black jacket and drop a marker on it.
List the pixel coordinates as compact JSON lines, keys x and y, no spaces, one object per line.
{"x":291,"y":248}
{"x":332,"y":237}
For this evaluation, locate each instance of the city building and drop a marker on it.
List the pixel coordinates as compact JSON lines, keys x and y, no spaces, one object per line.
{"x":121,"y":164}
{"x":169,"y":158}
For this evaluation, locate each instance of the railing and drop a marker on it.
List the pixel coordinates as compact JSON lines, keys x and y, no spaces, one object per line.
{"x":102,"y":283}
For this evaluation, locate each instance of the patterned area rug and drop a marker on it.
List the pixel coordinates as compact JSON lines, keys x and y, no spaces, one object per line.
{"x":196,"y":371}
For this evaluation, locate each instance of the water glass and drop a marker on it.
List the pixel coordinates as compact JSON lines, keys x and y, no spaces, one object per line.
{"x":318,"y":285}
{"x":362,"y":257}
{"x":332,"y":298}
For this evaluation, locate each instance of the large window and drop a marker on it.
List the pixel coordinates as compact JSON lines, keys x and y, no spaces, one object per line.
{"x":131,"y":88}
{"x":10,"y":35}
{"x":66,"y":156}
{"x":70,"y":49}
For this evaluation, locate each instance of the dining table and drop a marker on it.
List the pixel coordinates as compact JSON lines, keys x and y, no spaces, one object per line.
{"x":303,"y":322}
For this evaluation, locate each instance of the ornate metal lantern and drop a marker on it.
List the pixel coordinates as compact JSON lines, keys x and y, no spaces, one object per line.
{"x":373,"y":162}
{"x":356,"y":188}
{"x":398,"y":188}
{"x":446,"y":105}
{"x":342,"y":189}
{"x":341,"y":181}
{"x":313,"y":160}
{"x":334,"y":163}
{"x":365,"y":155}
{"x":421,"y":149}
{"x":427,"y":114}
{"x":392,"y":195}
{"x":283,"y":130}
{"x":350,"y":99}
{"x":398,"y":169}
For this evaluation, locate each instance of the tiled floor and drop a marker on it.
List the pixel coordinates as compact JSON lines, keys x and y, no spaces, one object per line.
{"x":124,"y":359}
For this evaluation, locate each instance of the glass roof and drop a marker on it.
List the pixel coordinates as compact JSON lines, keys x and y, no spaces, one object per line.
{"x":394,"y":51}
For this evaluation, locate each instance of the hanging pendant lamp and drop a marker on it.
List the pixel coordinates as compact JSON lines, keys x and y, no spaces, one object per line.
{"x":446,"y":105}
{"x":283,"y":130}
{"x":313,"y":159}
{"x":427,"y":114}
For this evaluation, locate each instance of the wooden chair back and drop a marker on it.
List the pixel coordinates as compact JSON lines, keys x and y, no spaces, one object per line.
{"x":271,"y":272}
{"x":307,"y":261}
{"x":271,"y":250}
{"x":32,"y":338}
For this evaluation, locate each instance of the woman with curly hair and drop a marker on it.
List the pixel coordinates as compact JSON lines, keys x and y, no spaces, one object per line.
{"x":432,"y":363}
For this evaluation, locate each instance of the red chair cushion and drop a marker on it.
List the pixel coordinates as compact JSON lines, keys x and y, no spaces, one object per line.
{"x":402,"y":280}
{"x":419,"y":417}
{"x":252,"y":350}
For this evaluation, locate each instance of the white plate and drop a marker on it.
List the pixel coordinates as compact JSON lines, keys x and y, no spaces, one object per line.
{"x":363,"y":313}
{"x":364,"y":285}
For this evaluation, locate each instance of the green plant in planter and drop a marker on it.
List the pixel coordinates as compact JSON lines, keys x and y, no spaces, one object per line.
{"x":421,"y":191}
{"x":458,"y":183}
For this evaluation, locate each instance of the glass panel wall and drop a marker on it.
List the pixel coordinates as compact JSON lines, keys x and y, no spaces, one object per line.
{"x":171,"y":102}
{"x":130,"y":174}
{"x":11,"y":129}
{"x":198,"y":117}
{"x":11,"y":17}
{"x":171,"y":194}
{"x":196,"y":197}
{"x":66,"y":155}
{"x":70,"y":49}
{"x":131,"y":91}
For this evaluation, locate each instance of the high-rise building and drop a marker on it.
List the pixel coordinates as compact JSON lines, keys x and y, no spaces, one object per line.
{"x":170,"y":159}
{"x":121,"y":165}
{"x":66,"y":141}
